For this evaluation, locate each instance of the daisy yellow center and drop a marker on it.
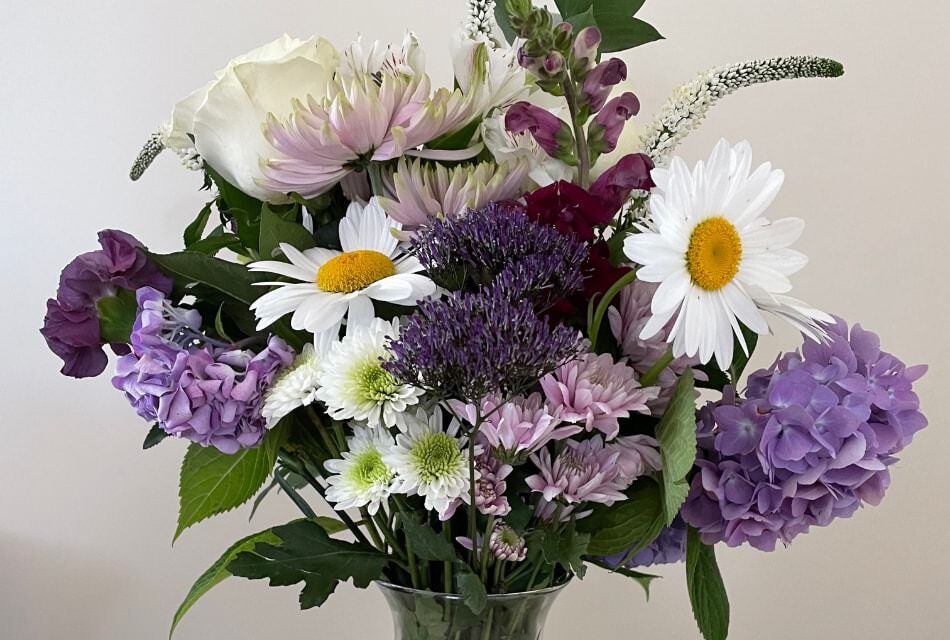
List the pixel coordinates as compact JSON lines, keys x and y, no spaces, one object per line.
{"x":435,"y":456}
{"x":715,"y":250}
{"x":354,"y":270}
{"x":369,"y":469}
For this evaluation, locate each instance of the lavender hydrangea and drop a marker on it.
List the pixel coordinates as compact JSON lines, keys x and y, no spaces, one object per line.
{"x":669,"y":547}
{"x":470,"y":345}
{"x":812,"y":441}
{"x":500,"y":244}
{"x":193,"y":387}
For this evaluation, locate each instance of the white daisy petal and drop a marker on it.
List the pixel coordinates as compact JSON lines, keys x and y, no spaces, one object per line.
{"x":360,"y":313}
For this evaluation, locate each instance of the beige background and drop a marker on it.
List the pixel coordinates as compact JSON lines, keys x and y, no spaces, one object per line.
{"x":86,"y":518}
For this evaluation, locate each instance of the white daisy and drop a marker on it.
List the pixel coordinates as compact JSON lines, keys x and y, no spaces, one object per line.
{"x":430,"y":462}
{"x":334,"y":284}
{"x":353,"y":383}
{"x":362,"y":478}
{"x":296,"y":386}
{"x":718,"y":261}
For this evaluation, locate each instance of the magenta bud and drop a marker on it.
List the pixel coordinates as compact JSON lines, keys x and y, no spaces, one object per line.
{"x":553,"y":63}
{"x":586,"y":43}
{"x":600,"y":81}
{"x":550,"y":132}
{"x":611,"y":120}
{"x":631,"y":172}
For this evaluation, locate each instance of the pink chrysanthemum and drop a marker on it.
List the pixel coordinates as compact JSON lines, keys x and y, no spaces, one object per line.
{"x":490,"y":488}
{"x":596,"y":392}
{"x":587,"y":471}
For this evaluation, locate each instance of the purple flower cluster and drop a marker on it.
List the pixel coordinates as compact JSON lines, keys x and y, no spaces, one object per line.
{"x":499,"y":243}
{"x":669,"y":547}
{"x":193,"y":387}
{"x":71,"y":326}
{"x":470,"y":345}
{"x":812,"y":440}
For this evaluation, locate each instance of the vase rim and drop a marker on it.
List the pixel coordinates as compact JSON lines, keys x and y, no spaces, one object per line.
{"x":492,"y":597}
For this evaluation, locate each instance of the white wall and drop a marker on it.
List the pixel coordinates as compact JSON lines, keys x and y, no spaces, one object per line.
{"x":86,"y":518}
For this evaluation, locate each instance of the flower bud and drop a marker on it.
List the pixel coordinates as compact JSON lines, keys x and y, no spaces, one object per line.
{"x":550,"y":132}
{"x":600,"y":81}
{"x":607,"y":126}
{"x":587,"y":43}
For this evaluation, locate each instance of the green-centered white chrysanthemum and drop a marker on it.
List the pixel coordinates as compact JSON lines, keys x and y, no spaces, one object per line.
{"x":353,"y":383}
{"x":296,"y":386}
{"x":362,"y":478}
{"x":430,"y":461}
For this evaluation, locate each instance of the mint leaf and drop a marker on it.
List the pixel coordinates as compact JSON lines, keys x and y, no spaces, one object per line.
{"x":676,"y":434}
{"x":628,"y":525}
{"x":707,"y":593}
{"x":212,"y":482}
{"x":307,"y":554}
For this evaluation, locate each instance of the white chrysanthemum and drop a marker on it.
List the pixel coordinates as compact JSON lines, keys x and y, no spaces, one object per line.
{"x":334,"y":284}
{"x":296,"y":386}
{"x":353,"y":383}
{"x":718,"y":261}
{"x":430,"y":462}
{"x":361,"y":478}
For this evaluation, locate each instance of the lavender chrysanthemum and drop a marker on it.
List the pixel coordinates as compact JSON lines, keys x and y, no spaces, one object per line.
{"x":470,"y":345}
{"x":500,"y":244}
{"x":812,"y":441}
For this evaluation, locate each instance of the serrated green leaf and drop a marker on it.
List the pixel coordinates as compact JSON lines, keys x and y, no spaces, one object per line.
{"x":195,"y":229}
{"x":676,"y":434}
{"x":628,"y":525}
{"x":307,"y":554}
{"x":426,"y":543}
{"x":567,"y":549}
{"x":213,"y":482}
{"x":275,"y":229}
{"x":471,"y":588}
{"x":218,"y":572}
{"x":231,"y":279}
{"x":155,"y":435}
{"x":707,"y":593}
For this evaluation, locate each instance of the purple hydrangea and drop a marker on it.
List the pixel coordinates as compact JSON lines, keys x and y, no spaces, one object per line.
{"x":812,"y":441}
{"x":470,"y":345}
{"x":668,"y":548}
{"x":500,"y":243}
{"x":71,"y":326}
{"x":194,"y":387}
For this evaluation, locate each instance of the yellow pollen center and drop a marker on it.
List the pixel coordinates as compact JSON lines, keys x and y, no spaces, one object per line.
{"x":354,"y":270}
{"x":715,"y":250}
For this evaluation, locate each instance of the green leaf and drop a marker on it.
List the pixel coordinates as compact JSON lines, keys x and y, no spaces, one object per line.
{"x":570,"y":8}
{"x":628,"y":525}
{"x":676,"y":434}
{"x":503,"y":21}
{"x":707,"y":593}
{"x":426,"y":543}
{"x":116,"y":316}
{"x":195,"y":230}
{"x":218,"y":572}
{"x":308,"y":554}
{"x":212,"y":244}
{"x":190,"y":267}
{"x":619,"y":29}
{"x":471,"y":588}
{"x":242,"y":208}
{"x":213,"y":482}
{"x":275,"y":229}
{"x":643,"y":579}
{"x":566,"y":548}
{"x":582,"y":20}
{"x":155,"y":435}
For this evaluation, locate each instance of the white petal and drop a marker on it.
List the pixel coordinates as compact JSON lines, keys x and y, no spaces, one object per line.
{"x":360,"y":313}
{"x":742,"y":305}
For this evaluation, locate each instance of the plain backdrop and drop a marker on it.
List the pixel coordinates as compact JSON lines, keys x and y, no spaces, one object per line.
{"x":86,"y":518}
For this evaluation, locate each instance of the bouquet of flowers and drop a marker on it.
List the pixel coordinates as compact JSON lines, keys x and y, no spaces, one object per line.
{"x":474,"y":322}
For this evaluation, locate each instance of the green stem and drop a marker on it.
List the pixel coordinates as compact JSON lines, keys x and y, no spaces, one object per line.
{"x":343,"y":515}
{"x":486,"y":547}
{"x":594,"y":329}
{"x":373,"y":531}
{"x":651,"y":376}
{"x":375,"y":171}
{"x":449,"y":584}
{"x":413,"y":569}
{"x":294,"y":496}
{"x":322,"y":430}
{"x":472,"y":508}
{"x":580,"y":136}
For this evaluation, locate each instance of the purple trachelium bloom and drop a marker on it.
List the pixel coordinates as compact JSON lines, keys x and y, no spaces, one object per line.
{"x":669,"y":547}
{"x":193,"y":387}
{"x":517,"y":428}
{"x":600,"y":81}
{"x":499,"y":243}
{"x":595,"y":392}
{"x":71,"y":326}
{"x":550,"y":132}
{"x":812,"y":441}
{"x":607,"y":126}
{"x":470,"y":345}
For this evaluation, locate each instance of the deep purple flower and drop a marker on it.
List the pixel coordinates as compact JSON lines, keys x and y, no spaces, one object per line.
{"x":470,"y":345}
{"x":71,"y":326}
{"x":192,"y":386}
{"x":569,"y":209}
{"x":632,"y":172}
{"x":550,"y":132}
{"x":812,"y":441}
{"x":601,"y":80}
{"x":609,"y":123}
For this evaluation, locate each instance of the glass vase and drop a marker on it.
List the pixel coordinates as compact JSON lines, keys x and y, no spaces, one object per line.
{"x":425,"y":615}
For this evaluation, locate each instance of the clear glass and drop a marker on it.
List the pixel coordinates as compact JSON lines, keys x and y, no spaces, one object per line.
{"x":424,"y":615}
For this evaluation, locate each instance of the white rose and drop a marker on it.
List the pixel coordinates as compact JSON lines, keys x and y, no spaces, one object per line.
{"x":226,"y":115}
